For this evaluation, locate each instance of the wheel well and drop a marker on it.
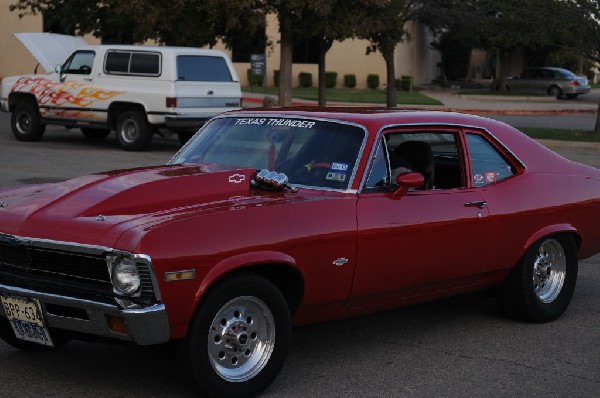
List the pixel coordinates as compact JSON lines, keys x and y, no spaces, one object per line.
{"x":15,"y":99}
{"x":285,"y":277}
{"x":116,"y":108}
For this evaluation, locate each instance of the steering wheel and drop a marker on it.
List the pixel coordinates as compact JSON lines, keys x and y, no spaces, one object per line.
{"x":85,"y":70}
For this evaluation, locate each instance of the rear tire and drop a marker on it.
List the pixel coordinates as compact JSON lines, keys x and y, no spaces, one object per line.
{"x":95,"y":134}
{"x":555,"y":91}
{"x":238,"y":340}
{"x":539,"y":289}
{"x":26,"y":123}
{"x":133,"y":131}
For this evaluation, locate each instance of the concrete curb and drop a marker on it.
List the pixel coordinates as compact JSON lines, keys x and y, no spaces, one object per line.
{"x":259,"y":101}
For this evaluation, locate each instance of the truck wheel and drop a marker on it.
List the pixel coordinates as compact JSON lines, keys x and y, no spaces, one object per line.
{"x":95,"y":134}
{"x":541,"y":286}
{"x":8,"y":336}
{"x":133,"y":131}
{"x":26,"y":124}
{"x":238,"y":339}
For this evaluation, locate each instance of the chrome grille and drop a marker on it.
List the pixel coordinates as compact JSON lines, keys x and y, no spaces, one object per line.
{"x":66,"y":269}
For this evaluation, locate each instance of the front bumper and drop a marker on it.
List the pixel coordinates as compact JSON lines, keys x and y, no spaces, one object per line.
{"x":145,"y":325}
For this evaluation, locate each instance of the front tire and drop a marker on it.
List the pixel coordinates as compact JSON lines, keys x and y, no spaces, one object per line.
{"x":238,"y":339}
{"x":25,"y":122}
{"x":133,"y":131}
{"x":539,"y":289}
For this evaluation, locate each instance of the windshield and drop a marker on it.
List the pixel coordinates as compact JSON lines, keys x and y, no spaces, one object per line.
{"x":310,"y":152}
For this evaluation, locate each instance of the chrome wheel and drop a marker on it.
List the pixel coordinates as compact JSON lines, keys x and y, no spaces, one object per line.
{"x":23,"y":123}
{"x":129,"y":131}
{"x":549,"y":271}
{"x":241,"y":339}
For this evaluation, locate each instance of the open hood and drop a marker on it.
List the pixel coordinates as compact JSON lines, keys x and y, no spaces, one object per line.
{"x":50,"y":49}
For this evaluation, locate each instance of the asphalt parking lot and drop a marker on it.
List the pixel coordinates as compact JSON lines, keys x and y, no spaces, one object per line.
{"x":447,"y":348}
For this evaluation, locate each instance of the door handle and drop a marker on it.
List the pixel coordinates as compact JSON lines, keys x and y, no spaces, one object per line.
{"x":478,"y":203}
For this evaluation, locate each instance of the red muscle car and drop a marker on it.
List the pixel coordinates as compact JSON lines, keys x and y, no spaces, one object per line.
{"x":273,"y":218}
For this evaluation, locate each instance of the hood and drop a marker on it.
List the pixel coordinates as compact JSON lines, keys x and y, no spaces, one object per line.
{"x":98,"y":208}
{"x":50,"y":49}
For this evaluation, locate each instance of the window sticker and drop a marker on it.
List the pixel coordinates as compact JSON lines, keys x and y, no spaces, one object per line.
{"x":304,"y":124}
{"x":340,"y":167}
{"x":333,"y":176}
{"x":478,"y":179}
{"x":490,"y":177}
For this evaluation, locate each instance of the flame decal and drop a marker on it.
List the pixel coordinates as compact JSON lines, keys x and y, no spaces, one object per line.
{"x":58,"y":94}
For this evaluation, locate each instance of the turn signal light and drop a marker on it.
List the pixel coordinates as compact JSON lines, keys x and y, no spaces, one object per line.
{"x":116,"y":324}
{"x":171,"y":102}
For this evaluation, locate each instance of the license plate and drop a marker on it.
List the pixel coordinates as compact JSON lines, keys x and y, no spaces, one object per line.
{"x":25,"y":317}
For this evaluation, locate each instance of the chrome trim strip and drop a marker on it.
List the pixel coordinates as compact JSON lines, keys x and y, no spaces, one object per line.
{"x":430,"y":124}
{"x":289,"y":116}
{"x":145,"y":326}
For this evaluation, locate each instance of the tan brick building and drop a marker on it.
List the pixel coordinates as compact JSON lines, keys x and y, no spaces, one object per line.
{"x":414,"y":57}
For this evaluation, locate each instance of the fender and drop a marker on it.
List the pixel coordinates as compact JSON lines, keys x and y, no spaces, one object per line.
{"x":240,"y":261}
{"x":547,"y":231}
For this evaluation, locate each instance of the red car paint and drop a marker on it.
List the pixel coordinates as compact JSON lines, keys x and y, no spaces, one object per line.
{"x":395,"y":250}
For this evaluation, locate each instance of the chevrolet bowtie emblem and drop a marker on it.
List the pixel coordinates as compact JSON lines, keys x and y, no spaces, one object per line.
{"x":237,"y":178}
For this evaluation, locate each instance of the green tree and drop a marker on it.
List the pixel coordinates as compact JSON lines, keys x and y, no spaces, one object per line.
{"x":384,"y":28}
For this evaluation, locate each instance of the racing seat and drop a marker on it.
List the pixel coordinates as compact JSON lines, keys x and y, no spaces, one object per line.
{"x":419,"y":156}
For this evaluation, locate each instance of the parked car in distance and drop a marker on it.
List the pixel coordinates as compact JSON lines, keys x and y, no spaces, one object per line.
{"x":555,"y":82}
{"x":135,"y":90}
{"x":278,"y":217}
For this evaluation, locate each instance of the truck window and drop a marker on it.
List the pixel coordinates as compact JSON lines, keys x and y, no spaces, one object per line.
{"x":80,"y":63}
{"x":132,"y":63}
{"x":201,"y":68}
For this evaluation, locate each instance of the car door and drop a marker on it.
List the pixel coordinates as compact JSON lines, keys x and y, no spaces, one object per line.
{"x":69,"y":97}
{"x":426,"y":240}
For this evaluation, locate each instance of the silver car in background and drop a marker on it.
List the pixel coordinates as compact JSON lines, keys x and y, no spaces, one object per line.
{"x":555,"y":82}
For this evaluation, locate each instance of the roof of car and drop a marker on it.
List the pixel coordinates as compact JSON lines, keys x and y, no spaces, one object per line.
{"x":163,"y":49}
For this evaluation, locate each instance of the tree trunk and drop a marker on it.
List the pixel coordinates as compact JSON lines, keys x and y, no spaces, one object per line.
{"x":285,"y":70}
{"x":391,"y":80}
{"x":322,"y":77}
{"x":503,"y":72}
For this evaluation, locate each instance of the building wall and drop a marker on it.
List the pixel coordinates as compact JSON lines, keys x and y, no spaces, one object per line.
{"x":14,"y":57}
{"x":414,"y":56}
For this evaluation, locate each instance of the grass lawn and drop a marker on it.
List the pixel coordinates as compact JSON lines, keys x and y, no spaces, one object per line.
{"x":560,"y":134}
{"x":351,"y":95}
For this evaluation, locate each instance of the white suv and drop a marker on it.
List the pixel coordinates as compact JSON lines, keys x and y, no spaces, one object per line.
{"x":135,"y":90}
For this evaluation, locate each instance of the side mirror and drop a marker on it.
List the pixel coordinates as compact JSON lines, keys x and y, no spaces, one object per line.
{"x":58,"y":69}
{"x":408,"y":180}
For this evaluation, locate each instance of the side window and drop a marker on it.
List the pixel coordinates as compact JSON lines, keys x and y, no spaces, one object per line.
{"x":79,"y":63}
{"x":132,"y":63}
{"x":433,"y":154}
{"x":200,"y":68}
{"x":487,"y":164}
{"x":380,"y":173}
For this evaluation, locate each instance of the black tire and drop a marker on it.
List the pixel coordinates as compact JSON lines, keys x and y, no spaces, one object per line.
{"x":8,"y":336}
{"x":95,"y":134}
{"x":555,"y":91}
{"x":571,"y":96}
{"x":184,"y":136}
{"x":25,"y":122}
{"x":220,"y":352}
{"x":539,"y":289}
{"x":133,"y":131}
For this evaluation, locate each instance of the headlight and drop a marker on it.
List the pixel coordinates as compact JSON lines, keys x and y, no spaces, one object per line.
{"x":125,"y":276}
